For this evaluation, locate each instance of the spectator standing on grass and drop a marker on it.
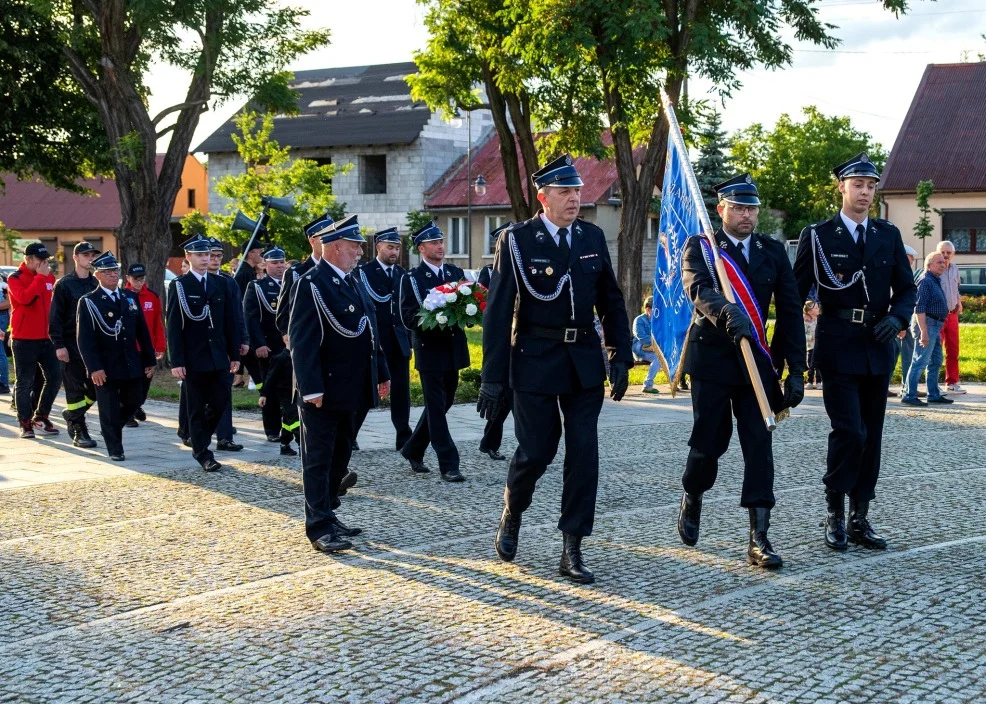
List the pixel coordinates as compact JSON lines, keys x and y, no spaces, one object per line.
{"x":950,"y":330}
{"x":929,"y":318}
{"x":811,"y":313}
{"x":30,"y":289}
{"x":643,"y":345}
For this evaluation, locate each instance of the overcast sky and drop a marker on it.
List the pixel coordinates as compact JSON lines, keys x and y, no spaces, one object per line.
{"x":871,"y":77}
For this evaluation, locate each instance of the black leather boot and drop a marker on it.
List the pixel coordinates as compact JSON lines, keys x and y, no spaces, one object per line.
{"x":760,"y":553}
{"x":859,"y":530}
{"x":689,"y":517}
{"x":507,"y":536}
{"x":835,"y":521}
{"x":80,"y":435}
{"x":572,"y":563}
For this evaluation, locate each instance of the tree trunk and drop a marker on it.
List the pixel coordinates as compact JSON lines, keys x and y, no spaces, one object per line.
{"x":508,"y":147}
{"x":638,"y":189}
{"x":520,"y":115}
{"x":147,"y":194}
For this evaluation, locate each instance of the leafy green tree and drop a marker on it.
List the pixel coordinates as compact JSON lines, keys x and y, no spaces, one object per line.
{"x":923,"y":229}
{"x":792,"y":163}
{"x":713,"y":165}
{"x":603,"y":63}
{"x":270,"y":171}
{"x":228,"y":47}
{"x":415,"y":220}
{"x":47,"y":127}
{"x":469,"y":45}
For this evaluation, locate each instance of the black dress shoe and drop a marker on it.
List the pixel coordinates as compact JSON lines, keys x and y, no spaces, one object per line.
{"x":689,"y":517}
{"x":572,"y":563}
{"x":228,"y":446}
{"x":288,"y":450}
{"x":858,"y":529}
{"x":355,"y":446}
{"x":211,"y":465}
{"x":941,"y":399}
{"x":760,"y":553}
{"x":118,"y":458}
{"x":492,"y":454}
{"x":417,"y":466}
{"x":187,"y":442}
{"x":348,"y":482}
{"x":507,"y":536}
{"x":835,"y":521}
{"x":453,"y":476}
{"x":131,"y":424}
{"x":345,"y":531}
{"x":333,"y":542}
{"x":140,"y":415}
{"x":274,"y":438}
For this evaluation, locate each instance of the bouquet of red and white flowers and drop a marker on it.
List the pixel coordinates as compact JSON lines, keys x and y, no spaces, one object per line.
{"x":455,"y":304}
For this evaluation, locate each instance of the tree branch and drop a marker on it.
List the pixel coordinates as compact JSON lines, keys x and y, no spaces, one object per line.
{"x":176,"y":108}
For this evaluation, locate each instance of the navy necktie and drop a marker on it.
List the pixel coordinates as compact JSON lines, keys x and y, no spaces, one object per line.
{"x":563,"y":247}
{"x":860,"y":237}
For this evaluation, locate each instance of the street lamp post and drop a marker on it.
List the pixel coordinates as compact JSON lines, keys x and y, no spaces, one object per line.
{"x":469,"y":183}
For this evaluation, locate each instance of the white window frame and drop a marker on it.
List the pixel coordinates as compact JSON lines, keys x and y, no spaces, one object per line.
{"x":456,"y":235}
{"x":492,"y":223}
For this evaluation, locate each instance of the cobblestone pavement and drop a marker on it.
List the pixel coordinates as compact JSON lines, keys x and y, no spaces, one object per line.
{"x":153,"y":581}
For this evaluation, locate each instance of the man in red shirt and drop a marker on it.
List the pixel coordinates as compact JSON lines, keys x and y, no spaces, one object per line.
{"x":30,"y":289}
{"x":150,"y":303}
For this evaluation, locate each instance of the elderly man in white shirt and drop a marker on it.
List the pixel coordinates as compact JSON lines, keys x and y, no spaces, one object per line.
{"x":950,"y":330}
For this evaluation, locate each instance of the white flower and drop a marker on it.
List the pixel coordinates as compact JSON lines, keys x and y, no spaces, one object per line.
{"x":465,"y":290}
{"x":450,"y":297}
{"x":471,"y":309}
{"x":441,"y":318}
{"x":435,"y":299}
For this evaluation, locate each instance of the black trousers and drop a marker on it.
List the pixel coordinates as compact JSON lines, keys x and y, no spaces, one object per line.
{"x":290,"y":424}
{"x":493,"y":432}
{"x":80,"y":392}
{"x":712,"y":403}
{"x":251,"y":363}
{"x":439,"y":391}
{"x":207,"y":395}
{"x":145,"y":385}
{"x":32,"y":357}
{"x":326,"y":446}
{"x":270,"y":414}
{"x":117,"y":402}
{"x":224,"y":431}
{"x":538,"y":426}
{"x":400,"y":398}
{"x":856,"y":406}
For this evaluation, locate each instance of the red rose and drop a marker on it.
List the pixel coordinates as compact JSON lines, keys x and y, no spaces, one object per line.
{"x":482,"y":307}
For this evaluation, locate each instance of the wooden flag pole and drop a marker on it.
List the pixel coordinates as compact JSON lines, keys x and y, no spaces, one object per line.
{"x":751,"y":364}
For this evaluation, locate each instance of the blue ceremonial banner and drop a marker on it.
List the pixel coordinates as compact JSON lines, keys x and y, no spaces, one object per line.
{"x":680,"y":219}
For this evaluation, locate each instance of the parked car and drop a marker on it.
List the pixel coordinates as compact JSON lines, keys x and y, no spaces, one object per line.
{"x":972,"y":279}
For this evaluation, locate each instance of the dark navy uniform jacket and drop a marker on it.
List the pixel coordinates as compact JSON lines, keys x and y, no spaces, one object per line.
{"x":203,"y":346}
{"x":285,"y":297}
{"x":123,"y":357}
{"x":393,"y":334}
{"x":536,"y":364}
{"x":710,"y":352}
{"x":841,"y":345}
{"x":344,"y":369}
{"x":260,"y":310}
{"x":435,"y":350}
{"x":64,"y":304}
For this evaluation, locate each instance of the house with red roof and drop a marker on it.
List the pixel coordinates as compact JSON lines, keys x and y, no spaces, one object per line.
{"x":942,"y":140}
{"x":61,"y":219}
{"x":467,"y":218}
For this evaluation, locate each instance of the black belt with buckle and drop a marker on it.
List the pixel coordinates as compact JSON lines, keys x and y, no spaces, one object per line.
{"x":859,"y":316}
{"x":563,"y":334}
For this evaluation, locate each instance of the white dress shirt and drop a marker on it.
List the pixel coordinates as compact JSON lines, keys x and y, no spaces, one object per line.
{"x":553,"y":230}
{"x":851,"y":225}
{"x":736,"y":243}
